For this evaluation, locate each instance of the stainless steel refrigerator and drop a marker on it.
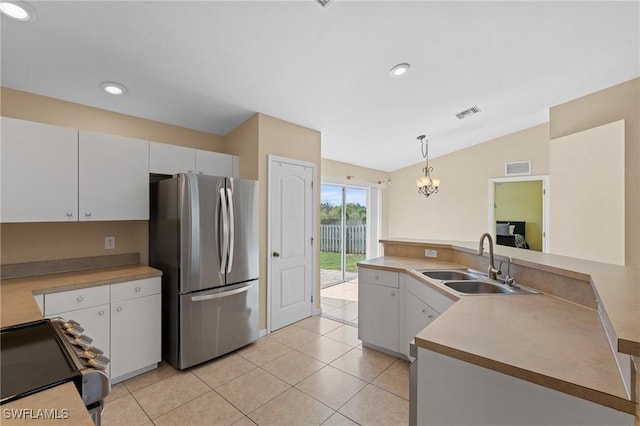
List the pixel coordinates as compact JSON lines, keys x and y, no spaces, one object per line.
{"x":203,"y":235}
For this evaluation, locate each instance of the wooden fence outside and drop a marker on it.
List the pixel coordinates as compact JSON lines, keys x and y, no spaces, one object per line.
{"x":355,"y":241}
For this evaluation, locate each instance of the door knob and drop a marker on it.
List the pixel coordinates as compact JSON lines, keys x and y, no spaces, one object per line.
{"x":276,"y":254}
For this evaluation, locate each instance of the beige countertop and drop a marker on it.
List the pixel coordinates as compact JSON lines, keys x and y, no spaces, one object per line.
{"x":617,"y":287}
{"x":18,"y":305}
{"x":539,"y":338}
{"x":61,"y":404}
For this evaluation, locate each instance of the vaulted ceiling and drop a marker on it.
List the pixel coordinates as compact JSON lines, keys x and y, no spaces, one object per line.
{"x":210,"y":65}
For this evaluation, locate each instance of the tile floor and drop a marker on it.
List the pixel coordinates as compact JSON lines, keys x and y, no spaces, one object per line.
{"x":310,"y":373}
{"x":340,"y":302}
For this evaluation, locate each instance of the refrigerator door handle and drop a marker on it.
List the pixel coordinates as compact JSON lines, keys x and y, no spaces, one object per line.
{"x":220,"y":295}
{"x":232,"y":230}
{"x":225,"y":232}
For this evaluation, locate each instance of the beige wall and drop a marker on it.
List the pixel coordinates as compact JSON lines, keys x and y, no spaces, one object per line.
{"x":620,"y":102}
{"x":339,"y":170}
{"x":284,"y":139}
{"x":243,"y":142}
{"x":26,"y":242}
{"x":32,"y":107}
{"x":521,"y":201}
{"x":587,"y":194}
{"x":460,"y":211}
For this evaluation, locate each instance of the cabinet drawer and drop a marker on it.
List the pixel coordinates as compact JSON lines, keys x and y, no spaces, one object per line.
{"x":378,"y":276}
{"x":134,"y":289}
{"x":75,"y":299}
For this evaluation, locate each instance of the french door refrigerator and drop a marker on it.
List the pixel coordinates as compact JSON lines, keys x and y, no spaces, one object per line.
{"x":203,"y":235}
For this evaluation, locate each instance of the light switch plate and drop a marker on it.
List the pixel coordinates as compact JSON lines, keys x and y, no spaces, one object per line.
{"x":431,"y":253}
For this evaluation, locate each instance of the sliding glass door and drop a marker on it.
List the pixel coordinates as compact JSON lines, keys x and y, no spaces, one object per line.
{"x":343,"y":230}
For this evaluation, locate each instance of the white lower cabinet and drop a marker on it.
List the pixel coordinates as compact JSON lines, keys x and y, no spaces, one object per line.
{"x":135,"y":335}
{"x":419,"y":315}
{"x":124,"y":321}
{"x":378,"y":308}
{"x":452,"y":392}
{"x":378,"y":315}
{"x":394,"y":307}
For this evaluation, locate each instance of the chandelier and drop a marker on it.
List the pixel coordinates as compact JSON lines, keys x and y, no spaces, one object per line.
{"x":426,"y":184}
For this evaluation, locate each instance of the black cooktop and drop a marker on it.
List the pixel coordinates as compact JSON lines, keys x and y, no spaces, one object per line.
{"x":32,"y":359}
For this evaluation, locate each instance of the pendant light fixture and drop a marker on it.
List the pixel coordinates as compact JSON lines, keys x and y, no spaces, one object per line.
{"x":425,"y":183}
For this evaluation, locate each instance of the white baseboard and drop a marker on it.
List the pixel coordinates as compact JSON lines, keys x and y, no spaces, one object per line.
{"x":262,"y":332}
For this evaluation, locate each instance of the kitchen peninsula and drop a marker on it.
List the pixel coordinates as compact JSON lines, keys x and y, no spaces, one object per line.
{"x":564,"y":356}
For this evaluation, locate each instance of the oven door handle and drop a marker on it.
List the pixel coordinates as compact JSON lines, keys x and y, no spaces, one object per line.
{"x":221,"y":295}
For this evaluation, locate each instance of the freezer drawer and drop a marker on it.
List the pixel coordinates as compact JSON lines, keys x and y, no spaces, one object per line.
{"x":216,"y":322}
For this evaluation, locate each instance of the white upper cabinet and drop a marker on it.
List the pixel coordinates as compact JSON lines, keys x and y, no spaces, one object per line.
{"x":214,"y":163}
{"x":169,"y":159}
{"x":113,"y":176}
{"x":39,"y":172}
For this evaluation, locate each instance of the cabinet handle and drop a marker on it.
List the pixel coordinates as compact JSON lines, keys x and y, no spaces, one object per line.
{"x":393,"y":293}
{"x":200,"y":173}
{"x":377,"y":278}
{"x":87,"y":214}
{"x":424,"y":311}
{"x":79,"y":299}
{"x":189,"y":171}
{"x":119,"y":309}
{"x":137,"y":289}
{"x":69,"y":214}
{"x":430,"y":316}
{"x":101,"y":313}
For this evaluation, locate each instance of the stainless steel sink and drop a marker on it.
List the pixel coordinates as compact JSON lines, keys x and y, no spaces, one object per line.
{"x":449,"y":275}
{"x":468,"y":281}
{"x":477,"y":287}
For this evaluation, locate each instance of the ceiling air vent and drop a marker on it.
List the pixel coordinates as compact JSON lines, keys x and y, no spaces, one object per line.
{"x":467,"y":112}
{"x":517,"y":168}
{"x":324,"y":3}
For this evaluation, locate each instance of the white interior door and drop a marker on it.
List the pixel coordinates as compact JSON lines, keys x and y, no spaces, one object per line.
{"x":290,"y":241}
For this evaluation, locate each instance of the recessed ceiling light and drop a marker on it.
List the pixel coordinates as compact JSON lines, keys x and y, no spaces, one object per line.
{"x":399,"y":70}
{"x":113,"y":88}
{"x":18,"y":10}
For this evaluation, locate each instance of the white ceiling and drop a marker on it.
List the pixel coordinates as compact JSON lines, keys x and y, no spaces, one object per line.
{"x":210,"y":65}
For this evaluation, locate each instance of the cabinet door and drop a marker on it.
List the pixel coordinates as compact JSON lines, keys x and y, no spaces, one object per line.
{"x":214,"y":163}
{"x":95,"y":321}
{"x":419,"y":315}
{"x":113,"y":177}
{"x":39,"y":172}
{"x":135,"y":335}
{"x":378,"y":315}
{"x":169,"y":159}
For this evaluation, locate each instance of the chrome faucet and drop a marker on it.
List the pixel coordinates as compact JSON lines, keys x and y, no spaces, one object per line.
{"x":493,"y":272}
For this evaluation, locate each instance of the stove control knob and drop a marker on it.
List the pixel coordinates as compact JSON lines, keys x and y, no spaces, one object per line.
{"x":90,"y":353}
{"x":70,"y":324}
{"x":100,"y":362}
{"x":75,"y":332}
{"x":83,"y":341}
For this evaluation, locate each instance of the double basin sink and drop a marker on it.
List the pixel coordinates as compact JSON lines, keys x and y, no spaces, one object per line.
{"x":471,"y":282}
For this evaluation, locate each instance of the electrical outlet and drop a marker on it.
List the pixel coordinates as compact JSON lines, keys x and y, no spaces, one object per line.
{"x":109,"y":243}
{"x":431,"y":253}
